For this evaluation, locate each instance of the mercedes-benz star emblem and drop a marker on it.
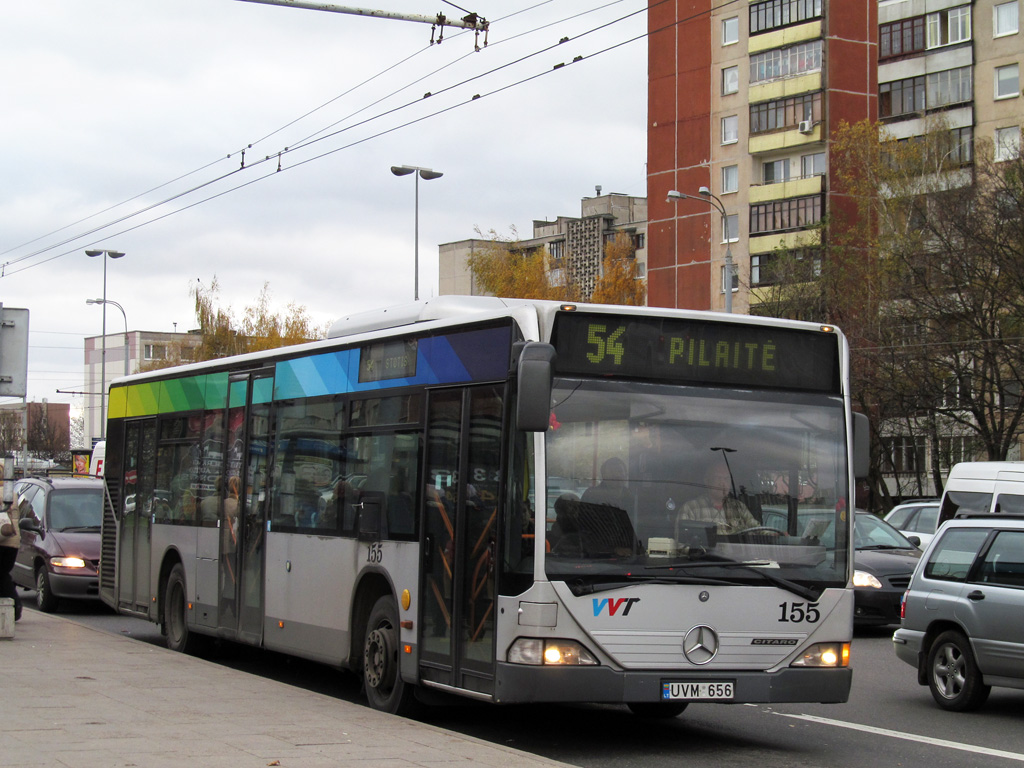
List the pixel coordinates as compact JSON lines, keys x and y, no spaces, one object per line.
{"x":700,"y":644}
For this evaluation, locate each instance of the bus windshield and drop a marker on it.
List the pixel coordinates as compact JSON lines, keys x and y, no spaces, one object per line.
{"x":676,"y":483}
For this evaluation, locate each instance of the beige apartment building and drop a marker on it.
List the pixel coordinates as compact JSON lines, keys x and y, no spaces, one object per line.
{"x":574,"y":245}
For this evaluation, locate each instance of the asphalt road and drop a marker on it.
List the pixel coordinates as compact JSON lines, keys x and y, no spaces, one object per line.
{"x":889,"y":720}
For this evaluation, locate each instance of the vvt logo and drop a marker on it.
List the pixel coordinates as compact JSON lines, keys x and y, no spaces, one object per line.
{"x":614,"y":604}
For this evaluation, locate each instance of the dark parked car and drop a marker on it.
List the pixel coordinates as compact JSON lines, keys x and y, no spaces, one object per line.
{"x":60,"y":539}
{"x":884,"y":560}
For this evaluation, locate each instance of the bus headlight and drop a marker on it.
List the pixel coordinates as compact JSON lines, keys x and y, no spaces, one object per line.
{"x":824,"y":655}
{"x":537,"y":652}
{"x":865,"y":579}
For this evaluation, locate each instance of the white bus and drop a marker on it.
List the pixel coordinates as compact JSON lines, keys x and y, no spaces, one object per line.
{"x":504,"y":500}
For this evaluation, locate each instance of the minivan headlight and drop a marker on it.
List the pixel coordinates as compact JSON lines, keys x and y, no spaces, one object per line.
{"x":67,"y":562}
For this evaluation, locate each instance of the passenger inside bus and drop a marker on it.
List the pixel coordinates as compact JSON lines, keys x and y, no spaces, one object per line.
{"x":612,"y":489}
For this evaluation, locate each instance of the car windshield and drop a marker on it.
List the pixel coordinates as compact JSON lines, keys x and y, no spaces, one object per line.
{"x":652,"y":480}
{"x":78,"y":509}
{"x":872,"y":533}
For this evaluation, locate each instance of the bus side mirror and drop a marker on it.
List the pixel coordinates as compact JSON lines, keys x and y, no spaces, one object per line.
{"x":535,"y":373}
{"x":861,"y":446}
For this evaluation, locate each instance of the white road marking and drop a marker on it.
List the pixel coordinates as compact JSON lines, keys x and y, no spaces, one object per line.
{"x":909,"y":737}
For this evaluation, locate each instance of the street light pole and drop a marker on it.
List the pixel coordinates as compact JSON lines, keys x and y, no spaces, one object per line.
{"x":126,"y":347}
{"x":427,"y":175}
{"x":716,"y":203}
{"x":103,"y":353}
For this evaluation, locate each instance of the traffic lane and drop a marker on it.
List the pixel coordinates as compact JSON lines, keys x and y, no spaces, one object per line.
{"x":886,"y":694}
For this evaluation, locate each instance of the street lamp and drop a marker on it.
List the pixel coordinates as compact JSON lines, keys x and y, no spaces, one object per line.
{"x":115,"y":304}
{"x":103,"y":353}
{"x":714,"y":202}
{"x":426,"y":174}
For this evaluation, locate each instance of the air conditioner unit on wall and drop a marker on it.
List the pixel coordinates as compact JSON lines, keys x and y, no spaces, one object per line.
{"x":806,"y":126}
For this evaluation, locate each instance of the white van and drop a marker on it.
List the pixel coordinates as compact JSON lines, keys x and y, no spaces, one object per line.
{"x":99,"y":453}
{"x":983,"y":487}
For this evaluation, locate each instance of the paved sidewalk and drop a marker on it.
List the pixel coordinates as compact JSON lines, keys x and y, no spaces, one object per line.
{"x":75,"y":696}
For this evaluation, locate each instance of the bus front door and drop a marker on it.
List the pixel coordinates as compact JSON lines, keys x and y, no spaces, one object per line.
{"x":461,"y":502}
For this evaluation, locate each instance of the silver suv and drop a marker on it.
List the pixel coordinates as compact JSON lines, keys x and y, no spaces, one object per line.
{"x":963,"y":615}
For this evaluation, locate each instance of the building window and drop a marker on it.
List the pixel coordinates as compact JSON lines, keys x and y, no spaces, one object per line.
{"x":731,"y":30}
{"x":785,"y":113}
{"x":906,"y":453}
{"x":901,"y":97}
{"x":1004,"y":19}
{"x":1007,"y":81}
{"x":949,"y":27}
{"x":901,"y":37}
{"x":730,"y":80}
{"x":556,"y":249}
{"x":813,"y":165}
{"x":785,"y":215}
{"x":785,"y":62}
{"x":732,"y":228}
{"x":155,"y":351}
{"x":801,"y":265}
{"x":961,"y":141}
{"x":773,"y":14}
{"x":730,"y":129}
{"x":951,"y":86}
{"x":775,"y":171}
{"x":1007,"y":143}
{"x":735,"y":280}
{"x":730,"y":179}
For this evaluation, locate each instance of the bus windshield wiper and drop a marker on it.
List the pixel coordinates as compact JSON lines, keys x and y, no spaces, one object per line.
{"x":754,"y":566}
{"x":579,"y":588}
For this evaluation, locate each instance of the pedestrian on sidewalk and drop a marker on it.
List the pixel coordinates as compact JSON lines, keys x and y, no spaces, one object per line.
{"x":8,"y":552}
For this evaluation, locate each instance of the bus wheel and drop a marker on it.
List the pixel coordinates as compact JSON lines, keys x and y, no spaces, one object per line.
{"x":175,"y":618}
{"x":656,"y":710}
{"x":385,"y":688}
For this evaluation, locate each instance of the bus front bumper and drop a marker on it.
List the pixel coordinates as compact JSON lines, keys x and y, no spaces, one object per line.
{"x":516,"y":683}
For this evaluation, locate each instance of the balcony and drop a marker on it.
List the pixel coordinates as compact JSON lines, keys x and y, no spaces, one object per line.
{"x":803,"y":187}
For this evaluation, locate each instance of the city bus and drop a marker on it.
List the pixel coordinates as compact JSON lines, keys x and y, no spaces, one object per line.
{"x":504,"y":500}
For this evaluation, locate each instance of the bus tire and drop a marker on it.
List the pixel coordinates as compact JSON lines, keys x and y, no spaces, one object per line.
{"x":652,"y":710}
{"x":382,"y":679}
{"x":175,"y":618}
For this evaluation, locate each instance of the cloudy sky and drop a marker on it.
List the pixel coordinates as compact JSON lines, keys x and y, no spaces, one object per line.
{"x":123,"y":124}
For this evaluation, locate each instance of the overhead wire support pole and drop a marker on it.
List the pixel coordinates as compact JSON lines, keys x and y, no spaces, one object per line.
{"x":470,"y":21}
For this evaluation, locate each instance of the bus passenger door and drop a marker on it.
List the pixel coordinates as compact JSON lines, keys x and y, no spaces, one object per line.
{"x":461,"y":504}
{"x":136,"y":507}
{"x":243,"y":504}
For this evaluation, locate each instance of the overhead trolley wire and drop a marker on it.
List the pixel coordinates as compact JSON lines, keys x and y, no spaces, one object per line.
{"x":316,"y":137}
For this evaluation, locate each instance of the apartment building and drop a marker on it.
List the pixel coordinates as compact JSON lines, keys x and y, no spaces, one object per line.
{"x":120,"y":354}
{"x":742,"y":99}
{"x":574,"y":245}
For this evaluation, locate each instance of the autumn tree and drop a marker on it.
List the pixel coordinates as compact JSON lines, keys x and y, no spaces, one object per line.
{"x":220,"y":335}
{"x":508,"y":268}
{"x":620,"y":281}
{"x":923,"y":268}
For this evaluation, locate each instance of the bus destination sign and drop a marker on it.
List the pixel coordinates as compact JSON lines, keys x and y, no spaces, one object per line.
{"x":388,"y":360}
{"x":699,"y":351}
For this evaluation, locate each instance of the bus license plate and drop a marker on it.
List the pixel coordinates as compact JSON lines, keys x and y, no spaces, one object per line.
{"x":695,"y":691}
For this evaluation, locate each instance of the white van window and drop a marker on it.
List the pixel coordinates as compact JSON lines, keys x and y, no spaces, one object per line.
{"x":1010,"y":503}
